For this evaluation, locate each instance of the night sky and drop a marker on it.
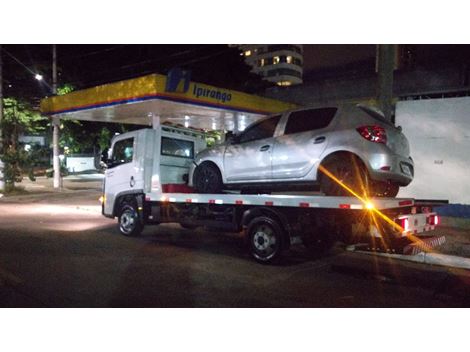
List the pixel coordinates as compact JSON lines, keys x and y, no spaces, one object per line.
{"x":89,"y":65}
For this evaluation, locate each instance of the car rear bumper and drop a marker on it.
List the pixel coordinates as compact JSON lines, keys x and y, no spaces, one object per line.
{"x":387,"y":167}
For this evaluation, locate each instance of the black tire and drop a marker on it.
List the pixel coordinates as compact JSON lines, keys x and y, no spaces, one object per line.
{"x":207,"y":178}
{"x":129,"y":221}
{"x":350,"y":171}
{"x":266,"y":239}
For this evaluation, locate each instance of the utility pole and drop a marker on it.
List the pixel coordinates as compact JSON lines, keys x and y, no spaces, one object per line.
{"x":385,"y":65}
{"x":2,"y":182}
{"x":55,"y":124}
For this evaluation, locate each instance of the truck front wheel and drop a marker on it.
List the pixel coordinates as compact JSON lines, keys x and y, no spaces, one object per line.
{"x":130,"y":223}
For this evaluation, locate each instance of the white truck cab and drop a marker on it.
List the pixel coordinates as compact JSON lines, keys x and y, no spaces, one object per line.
{"x":148,"y":160}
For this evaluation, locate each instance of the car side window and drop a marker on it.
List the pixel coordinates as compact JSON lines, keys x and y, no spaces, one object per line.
{"x":260,"y":130}
{"x":309,"y":120}
{"x":123,"y":152}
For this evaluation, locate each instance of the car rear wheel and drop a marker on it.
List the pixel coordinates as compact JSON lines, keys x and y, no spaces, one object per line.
{"x":347,"y":169}
{"x":207,"y":178}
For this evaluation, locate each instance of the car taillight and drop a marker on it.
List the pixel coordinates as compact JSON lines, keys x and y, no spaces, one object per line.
{"x":373,"y":133}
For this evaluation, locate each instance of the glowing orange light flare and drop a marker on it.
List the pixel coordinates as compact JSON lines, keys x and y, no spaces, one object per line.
{"x":370,"y":206}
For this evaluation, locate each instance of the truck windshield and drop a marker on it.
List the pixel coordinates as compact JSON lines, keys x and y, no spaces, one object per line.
{"x":123,"y":152}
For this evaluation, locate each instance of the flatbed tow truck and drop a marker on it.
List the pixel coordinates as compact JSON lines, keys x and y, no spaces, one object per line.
{"x":140,"y":189}
{"x":144,"y":186}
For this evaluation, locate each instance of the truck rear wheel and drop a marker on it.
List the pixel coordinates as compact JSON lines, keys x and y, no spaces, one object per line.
{"x":129,"y":221}
{"x":266,"y":238}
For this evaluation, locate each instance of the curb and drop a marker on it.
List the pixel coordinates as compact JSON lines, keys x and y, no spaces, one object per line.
{"x":450,"y":261}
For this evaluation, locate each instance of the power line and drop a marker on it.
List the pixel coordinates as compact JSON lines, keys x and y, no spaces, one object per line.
{"x":153,"y":60}
{"x":18,"y":61}
{"x":27,"y":68}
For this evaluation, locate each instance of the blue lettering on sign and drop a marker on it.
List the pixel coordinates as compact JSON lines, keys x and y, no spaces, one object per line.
{"x":211,"y":93}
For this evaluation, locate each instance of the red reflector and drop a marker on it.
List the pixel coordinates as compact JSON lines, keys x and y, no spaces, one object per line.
{"x":147,"y":199}
{"x":405,"y":202}
{"x":304,"y":205}
{"x":404,"y":223}
{"x":211,"y":201}
{"x":238,"y":202}
{"x":345,"y":206}
{"x":189,"y":200}
{"x":385,"y":168}
{"x":433,"y":220}
{"x":268,"y":203}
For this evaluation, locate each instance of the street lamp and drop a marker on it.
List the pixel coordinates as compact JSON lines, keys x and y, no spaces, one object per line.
{"x":38,"y":77}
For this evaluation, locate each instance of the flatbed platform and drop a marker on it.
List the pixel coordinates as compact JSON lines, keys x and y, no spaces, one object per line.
{"x":282,"y":200}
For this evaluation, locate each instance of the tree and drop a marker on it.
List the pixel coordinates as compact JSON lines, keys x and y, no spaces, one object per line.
{"x":18,"y":118}
{"x":85,"y":136}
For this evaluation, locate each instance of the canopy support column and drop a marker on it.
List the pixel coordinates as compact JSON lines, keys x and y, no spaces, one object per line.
{"x":155,"y":121}
{"x":55,"y":151}
{"x":236,"y":123}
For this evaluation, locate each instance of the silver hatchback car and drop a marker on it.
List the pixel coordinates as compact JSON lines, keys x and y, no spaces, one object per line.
{"x":291,"y":151}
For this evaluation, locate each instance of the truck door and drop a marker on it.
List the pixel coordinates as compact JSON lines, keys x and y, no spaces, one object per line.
{"x":123,"y":174}
{"x":249,"y":158}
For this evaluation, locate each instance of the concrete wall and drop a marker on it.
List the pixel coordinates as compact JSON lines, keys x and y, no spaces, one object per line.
{"x":439,"y":134}
{"x":362,"y":86}
{"x":79,"y":164}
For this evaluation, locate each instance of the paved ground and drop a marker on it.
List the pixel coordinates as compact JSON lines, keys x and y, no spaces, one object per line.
{"x":56,"y":250}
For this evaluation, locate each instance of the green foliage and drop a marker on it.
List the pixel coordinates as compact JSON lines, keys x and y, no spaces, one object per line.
{"x":18,"y":118}
{"x":65,"y":89}
{"x":213,"y":137}
{"x":12,"y":170}
{"x":88,"y":136}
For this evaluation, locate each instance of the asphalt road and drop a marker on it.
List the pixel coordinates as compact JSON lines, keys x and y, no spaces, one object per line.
{"x":56,"y":250}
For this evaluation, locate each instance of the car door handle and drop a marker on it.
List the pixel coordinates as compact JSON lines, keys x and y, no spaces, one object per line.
{"x":264,"y":148}
{"x":319,"y":140}
{"x":132,"y":182}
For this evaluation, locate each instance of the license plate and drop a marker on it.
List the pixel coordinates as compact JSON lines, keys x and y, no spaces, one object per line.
{"x":406,"y":169}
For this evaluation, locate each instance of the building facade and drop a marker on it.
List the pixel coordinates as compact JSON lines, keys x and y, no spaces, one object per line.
{"x":278,"y":63}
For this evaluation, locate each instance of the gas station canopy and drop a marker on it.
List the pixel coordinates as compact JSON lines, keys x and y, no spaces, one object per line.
{"x":140,"y":100}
